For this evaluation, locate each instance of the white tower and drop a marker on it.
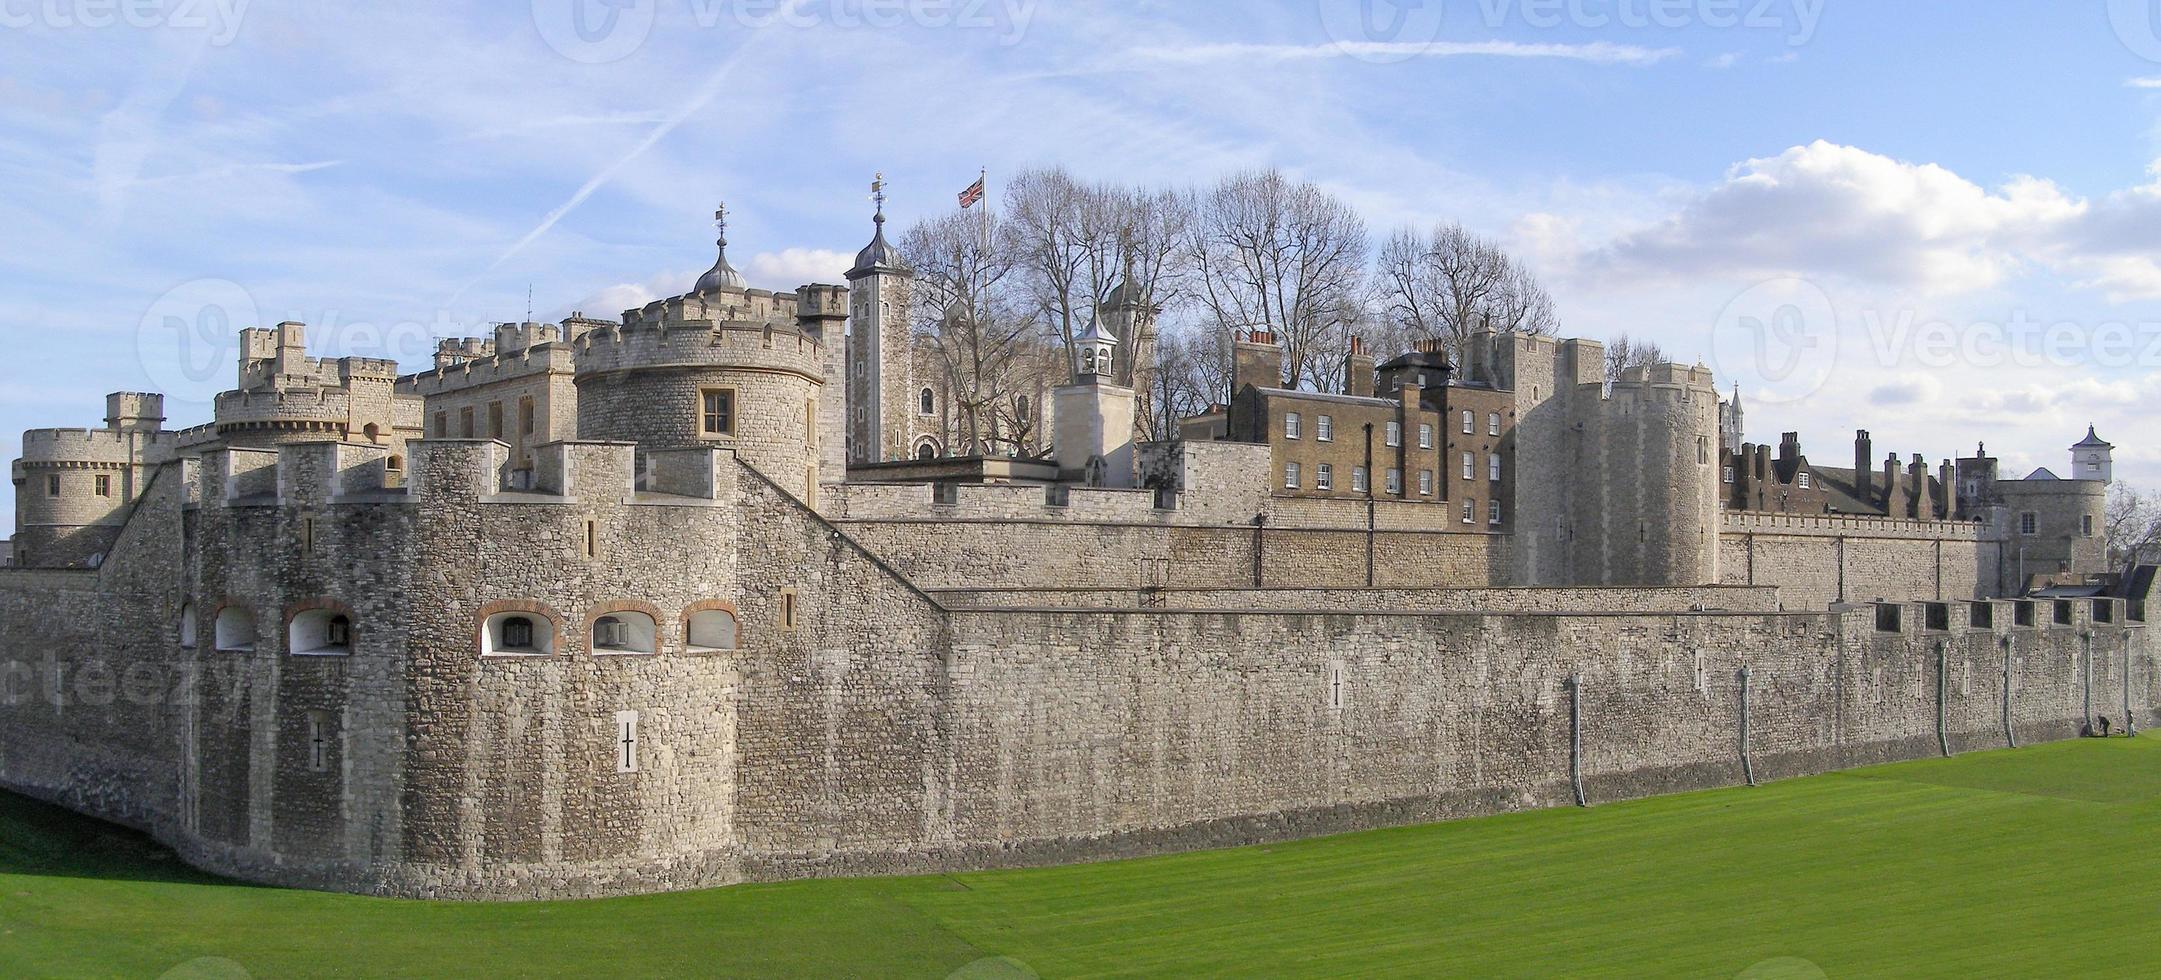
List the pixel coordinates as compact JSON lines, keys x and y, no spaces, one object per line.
{"x":1093,"y":431}
{"x":2091,"y":459}
{"x":878,"y":366}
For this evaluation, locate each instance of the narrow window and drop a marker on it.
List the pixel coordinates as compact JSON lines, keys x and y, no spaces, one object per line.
{"x":1395,"y":481}
{"x":1425,"y":483}
{"x":1493,"y":512}
{"x":105,"y":489}
{"x":1395,"y":433}
{"x":626,"y":741}
{"x":52,"y":485}
{"x":716,"y":415}
{"x":1703,"y":450}
{"x":1324,"y":477}
{"x":2085,"y":523}
{"x":307,"y":535}
{"x":1493,"y":423}
{"x":1728,"y":476}
{"x":2029,"y":523}
{"x":592,"y":539}
{"x":1467,"y":423}
{"x":442,"y":425}
{"x":787,"y":609}
{"x":318,"y":741}
{"x":1493,"y":467}
{"x":927,"y":403}
{"x":1335,"y":687}
{"x":1470,"y":471}
{"x":465,"y":422}
{"x":1324,"y":428}
{"x":1470,"y":511}
{"x":526,"y":421}
{"x":1358,"y":479}
{"x":1425,"y":435}
{"x":810,"y":424}
{"x":1290,"y":425}
{"x":1290,"y":476}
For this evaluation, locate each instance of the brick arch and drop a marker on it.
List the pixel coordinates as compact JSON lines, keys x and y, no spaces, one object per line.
{"x":599,"y":609}
{"x":532,"y":606}
{"x":712,"y":605}
{"x":217,"y":612}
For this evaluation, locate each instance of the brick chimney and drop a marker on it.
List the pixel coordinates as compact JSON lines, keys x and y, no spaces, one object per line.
{"x":1256,"y":360}
{"x":1358,"y":369}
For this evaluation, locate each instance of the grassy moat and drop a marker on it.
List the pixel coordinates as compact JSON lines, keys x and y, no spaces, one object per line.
{"x":2036,"y":861}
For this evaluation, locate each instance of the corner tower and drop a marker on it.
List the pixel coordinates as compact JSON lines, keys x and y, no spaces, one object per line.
{"x":879,"y":373}
{"x":2092,"y":458}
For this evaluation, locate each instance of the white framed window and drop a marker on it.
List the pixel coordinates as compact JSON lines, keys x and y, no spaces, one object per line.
{"x":1324,"y":428}
{"x":626,"y":741}
{"x":1395,"y":482}
{"x":1805,"y":483}
{"x":1425,"y":435}
{"x":1470,"y":471}
{"x":1470,"y":511}
{"x":1290,"y":476}
{"x":1358,"y":479}
{"x":1729,"y":474}
{"x":1493,"y":512}
{"x":1493,"y":423}
{"x":2029,"y":523}
{"x":1290,"y":425}
{"x":1324,"y":477}
{"x":1425,"y":483}
{"x":1395,"y":433}
{"x":1493,"y":467}
{"x":1468,"y":423}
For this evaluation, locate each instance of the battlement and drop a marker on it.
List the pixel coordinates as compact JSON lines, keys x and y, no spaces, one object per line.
{"x":292,"y":405}
{"x":1667,"y":375}
{"x":92,"y":445}
{"x":718,"y":305}
{"x":772,"y":345}
{"x":488,"y":368}
{"x":1847,"y":525}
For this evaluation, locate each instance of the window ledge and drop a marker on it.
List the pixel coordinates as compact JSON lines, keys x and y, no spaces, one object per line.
{"x":325,"y":652}
{"x":250,"y":648}
{"x":517,"y":653}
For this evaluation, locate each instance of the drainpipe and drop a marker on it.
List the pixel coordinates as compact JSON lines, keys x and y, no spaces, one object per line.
{"x":1943,"y":697}
{"x":2010,"y":734}
{"x":2086,"y":644}
{"x":2130,"y":727}
{"x":1748,"y":767}
{"x":1575,"y":736}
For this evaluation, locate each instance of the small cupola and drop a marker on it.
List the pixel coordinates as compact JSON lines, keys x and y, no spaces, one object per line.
{"x":721,"y":275}
{"x":1094,"y":350}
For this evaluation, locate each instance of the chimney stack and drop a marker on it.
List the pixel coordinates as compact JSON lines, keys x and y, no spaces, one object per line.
{"x":1864,"y":455}
{"x":1358,"y":369}
{"x":1256,"y":361}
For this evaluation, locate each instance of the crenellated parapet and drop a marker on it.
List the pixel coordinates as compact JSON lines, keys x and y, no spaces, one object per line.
{"x":760,"y":344}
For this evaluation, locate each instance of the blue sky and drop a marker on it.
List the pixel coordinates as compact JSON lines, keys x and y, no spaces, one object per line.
{"x":1894,"y":183}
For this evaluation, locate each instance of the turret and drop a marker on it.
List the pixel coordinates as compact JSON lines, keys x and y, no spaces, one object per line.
{"x":2092,"y":458}
{"x":134,"y":411}
{"x":879,"y":369}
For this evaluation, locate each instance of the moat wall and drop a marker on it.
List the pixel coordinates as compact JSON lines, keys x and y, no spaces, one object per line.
{"x":880,"y":731}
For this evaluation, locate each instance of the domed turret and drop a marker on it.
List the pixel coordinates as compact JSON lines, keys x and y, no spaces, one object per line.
{"x":878,"y":255}
{"x":721,"y":275}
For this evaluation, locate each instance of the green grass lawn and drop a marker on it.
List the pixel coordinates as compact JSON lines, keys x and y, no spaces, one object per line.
{"x":2041,"y":861}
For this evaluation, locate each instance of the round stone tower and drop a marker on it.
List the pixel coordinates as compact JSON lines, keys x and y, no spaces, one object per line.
{"x":723,"y":365}
{"x":1648,"y":508}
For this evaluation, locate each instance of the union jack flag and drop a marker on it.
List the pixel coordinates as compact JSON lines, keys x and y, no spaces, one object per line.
{"x":973,"y":194}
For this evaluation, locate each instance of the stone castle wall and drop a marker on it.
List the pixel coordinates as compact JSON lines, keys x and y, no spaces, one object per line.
{"x":860,"y":726}
{"x":1816,"y":561}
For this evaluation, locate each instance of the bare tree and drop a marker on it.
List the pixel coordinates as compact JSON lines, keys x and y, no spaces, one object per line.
{"x":1270,"y":252}
{"x":965,"y":311}
{"x":1453,"y":283}
{"x":2133,"y":523}
{"x":1624,"y":352}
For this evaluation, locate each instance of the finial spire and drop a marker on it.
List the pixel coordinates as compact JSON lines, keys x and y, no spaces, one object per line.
{"x":721,"y":275}
{"x":877,"y":193}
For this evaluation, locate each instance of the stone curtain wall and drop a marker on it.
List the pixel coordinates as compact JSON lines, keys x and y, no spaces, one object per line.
{"x":1816,"y":561}
{"x":1556,"y":600}
{"x":878,"y":732}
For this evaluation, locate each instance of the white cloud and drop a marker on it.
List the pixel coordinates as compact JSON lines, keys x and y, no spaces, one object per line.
{"x":1723,"y":61}
{"x":1597,"y":52}
{"x":792,"y":267}
{"x":2150,"y":81}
